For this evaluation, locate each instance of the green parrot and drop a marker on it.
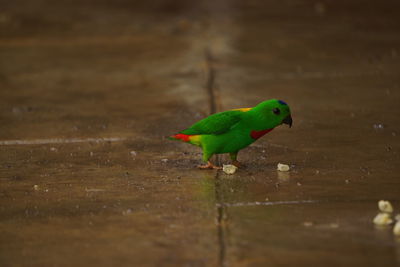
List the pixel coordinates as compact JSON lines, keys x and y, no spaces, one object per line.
{"x":233,"y":130}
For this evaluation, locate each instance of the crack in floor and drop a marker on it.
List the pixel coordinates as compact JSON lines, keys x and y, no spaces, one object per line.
{"x":214,"y":102}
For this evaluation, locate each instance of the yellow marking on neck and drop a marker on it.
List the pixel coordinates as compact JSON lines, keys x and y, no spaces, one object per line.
{"x":242,"y":109}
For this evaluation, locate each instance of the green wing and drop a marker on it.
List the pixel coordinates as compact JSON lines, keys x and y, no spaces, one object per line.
{"x":217,"y":123}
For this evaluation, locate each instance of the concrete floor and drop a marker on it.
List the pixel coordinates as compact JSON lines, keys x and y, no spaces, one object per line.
{"x":90,"y":89}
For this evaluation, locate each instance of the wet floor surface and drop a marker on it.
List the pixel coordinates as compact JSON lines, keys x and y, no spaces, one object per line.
{"x":90,"y":90}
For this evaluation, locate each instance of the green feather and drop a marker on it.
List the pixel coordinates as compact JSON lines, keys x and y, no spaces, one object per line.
{"x":217,"y":123}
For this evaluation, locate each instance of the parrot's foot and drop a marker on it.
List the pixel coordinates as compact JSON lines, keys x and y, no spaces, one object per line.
{"x":237,"y":164}
{"x":209,"y":165}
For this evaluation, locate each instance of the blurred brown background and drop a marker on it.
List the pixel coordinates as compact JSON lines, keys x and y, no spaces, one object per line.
{"x":90,"y":89}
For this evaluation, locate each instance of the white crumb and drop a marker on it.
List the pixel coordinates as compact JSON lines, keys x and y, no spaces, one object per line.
{"x":385,"y":206}
{"x":383,"y":219}
{"x":396,"y":229}
{"x":229,"y":169}
{"x":283,"y":167}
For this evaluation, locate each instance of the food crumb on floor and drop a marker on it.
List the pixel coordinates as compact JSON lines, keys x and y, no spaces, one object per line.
{"x":383,"y":219}
{"x":396,"y":229}
{"x":229,"y":169}
{"x":385,"y":206}
{"x":283,"y":167}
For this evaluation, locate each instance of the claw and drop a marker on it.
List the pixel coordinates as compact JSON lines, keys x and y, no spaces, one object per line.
{"x":209,"y":165}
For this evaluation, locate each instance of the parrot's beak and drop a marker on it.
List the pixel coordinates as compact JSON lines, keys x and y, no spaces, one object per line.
{"x":288,"y":120}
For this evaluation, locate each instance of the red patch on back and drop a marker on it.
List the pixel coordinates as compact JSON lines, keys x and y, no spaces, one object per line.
{"x":258,"y":134}
{"x":183,"y":137}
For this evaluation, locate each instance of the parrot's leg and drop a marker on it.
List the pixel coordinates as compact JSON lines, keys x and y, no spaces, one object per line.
{"x":209,"y":165}
{"x":235,"y":162}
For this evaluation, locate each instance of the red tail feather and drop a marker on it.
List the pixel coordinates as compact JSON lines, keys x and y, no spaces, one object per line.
{"x":183,"y":137}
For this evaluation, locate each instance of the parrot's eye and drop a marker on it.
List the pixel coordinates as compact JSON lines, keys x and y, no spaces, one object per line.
{"x":276,"y":111}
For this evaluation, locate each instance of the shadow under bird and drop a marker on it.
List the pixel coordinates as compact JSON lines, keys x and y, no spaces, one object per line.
{"x":233,"y":130}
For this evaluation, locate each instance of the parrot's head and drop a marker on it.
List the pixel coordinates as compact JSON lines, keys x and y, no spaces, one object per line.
{"x":274,"y":112}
